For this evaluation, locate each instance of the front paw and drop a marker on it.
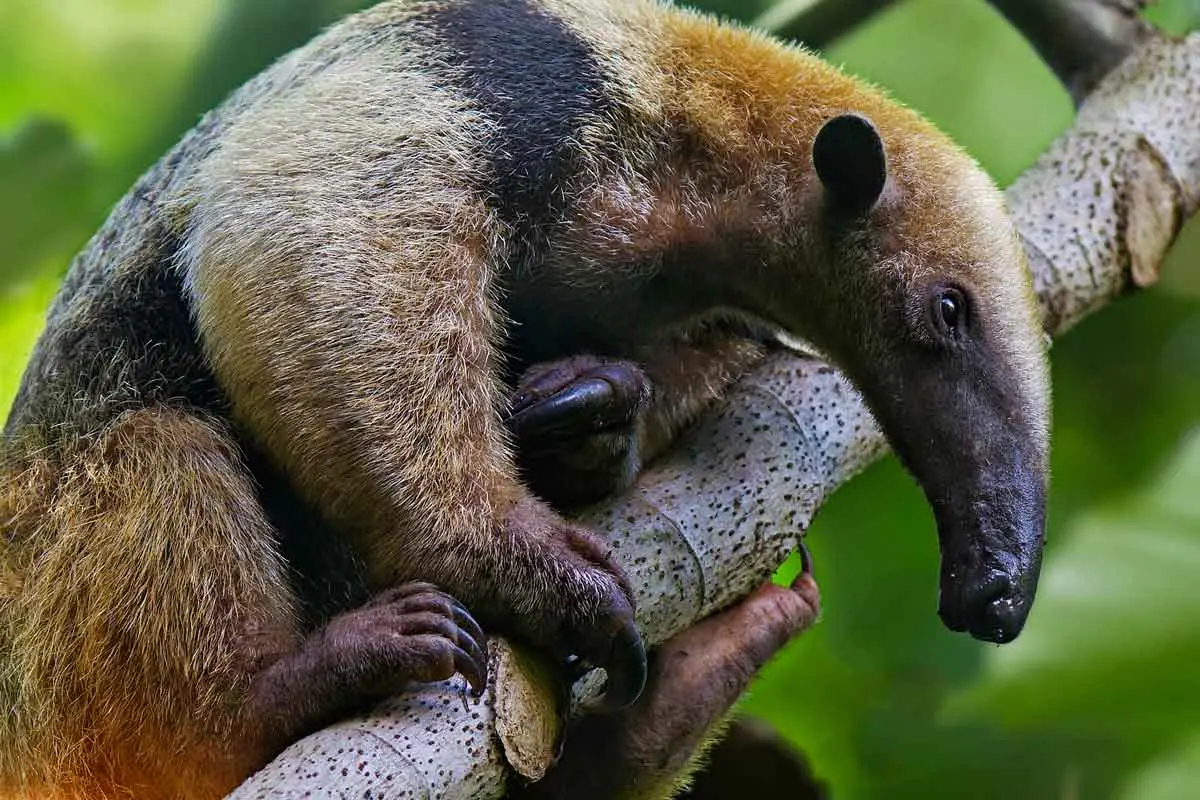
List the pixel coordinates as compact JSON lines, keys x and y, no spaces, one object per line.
{"x":566,"y":594}
{"x":577,"y":424}
{"x":411,"y":633}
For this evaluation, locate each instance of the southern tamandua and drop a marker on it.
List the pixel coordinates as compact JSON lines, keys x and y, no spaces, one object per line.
{"x":436,"y":230}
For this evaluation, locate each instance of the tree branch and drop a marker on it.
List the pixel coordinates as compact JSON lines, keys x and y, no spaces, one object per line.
{"x":1080,"y":40}
{"x":816,"y":23}
{"x":1097,"y":212}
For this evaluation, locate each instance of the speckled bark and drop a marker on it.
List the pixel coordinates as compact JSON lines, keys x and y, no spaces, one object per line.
{"x":710,"y":523}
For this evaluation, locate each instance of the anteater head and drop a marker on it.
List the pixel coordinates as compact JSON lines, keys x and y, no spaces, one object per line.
{"x":925,"y":299}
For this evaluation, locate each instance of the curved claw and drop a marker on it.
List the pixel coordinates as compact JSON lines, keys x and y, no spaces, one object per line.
{"x":579,"y":396}
{"x":582,"y":404}
{"x":806,"y":559}
{"x":429,"y":608}
{"x":627,"y":669}
{"x":464,"y":620}
{"x":475,"y":650}
{"x":471,"y":663}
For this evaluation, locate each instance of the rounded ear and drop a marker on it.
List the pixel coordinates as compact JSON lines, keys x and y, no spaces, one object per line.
{"x":851,"y":163}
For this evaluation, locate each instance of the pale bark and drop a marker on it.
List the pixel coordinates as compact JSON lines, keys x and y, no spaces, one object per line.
{"x":1098,"y":212}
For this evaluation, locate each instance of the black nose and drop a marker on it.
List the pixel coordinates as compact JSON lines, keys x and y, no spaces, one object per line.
{"x":989,"y":608}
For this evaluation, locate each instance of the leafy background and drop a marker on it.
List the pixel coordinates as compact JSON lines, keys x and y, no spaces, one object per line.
{"x":1098,"y":698}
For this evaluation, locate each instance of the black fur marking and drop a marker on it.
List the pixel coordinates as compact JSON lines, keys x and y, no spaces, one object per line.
{"x":326,"y":575}
{"x":541,"y":84}
{"x":556,"y":320}
{"x":115,"y":341}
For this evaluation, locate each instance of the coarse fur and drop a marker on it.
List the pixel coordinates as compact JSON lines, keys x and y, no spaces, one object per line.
{"x":275,"y":384}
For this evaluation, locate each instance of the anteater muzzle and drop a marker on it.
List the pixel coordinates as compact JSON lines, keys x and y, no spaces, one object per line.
{"x":976,"y":442}
{"x":991,"y":529}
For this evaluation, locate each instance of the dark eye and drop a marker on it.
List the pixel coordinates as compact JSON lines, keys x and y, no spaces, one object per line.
{"x":949,"y":311}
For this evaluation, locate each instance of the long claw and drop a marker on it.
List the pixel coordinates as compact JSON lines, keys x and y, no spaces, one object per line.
{"x":475,"y":650}
{"x":626,"y":668}
{"x":464,"y":620}
{"x":471,"y":667}
{"x":806,"y":559}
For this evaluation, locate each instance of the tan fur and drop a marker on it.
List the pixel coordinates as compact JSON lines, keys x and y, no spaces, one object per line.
{"x":403,"y":273}
{"x":347,"y":280}
{"x":762,"y":106}
{"x":160,"y":582}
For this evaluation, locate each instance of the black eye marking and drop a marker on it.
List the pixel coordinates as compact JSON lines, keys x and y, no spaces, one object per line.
{"x":949,"y":312}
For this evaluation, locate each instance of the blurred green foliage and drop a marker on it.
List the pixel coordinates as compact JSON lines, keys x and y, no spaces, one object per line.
{"x":1099,"y":696}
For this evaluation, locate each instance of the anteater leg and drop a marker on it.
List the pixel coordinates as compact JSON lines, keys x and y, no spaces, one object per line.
{"x":386,"y":415}
{"x":155,"y":639}
{"x":648,"y":750}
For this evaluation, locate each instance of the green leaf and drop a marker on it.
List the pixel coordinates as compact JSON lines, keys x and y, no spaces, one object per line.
{"x":1175,"y":16}
{"x":1173,"y":776}
{"x":105,"y":67}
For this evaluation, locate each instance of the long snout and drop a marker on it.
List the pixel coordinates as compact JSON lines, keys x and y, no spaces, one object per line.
{"x":991,"y":555}
{"x":977,"y":445}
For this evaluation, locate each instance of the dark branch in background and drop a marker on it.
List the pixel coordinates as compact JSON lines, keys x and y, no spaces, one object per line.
{"x":817,"y":23}
{"x":1081,"y":40}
